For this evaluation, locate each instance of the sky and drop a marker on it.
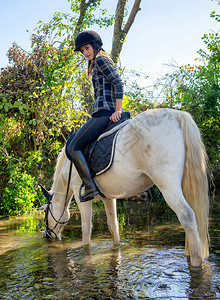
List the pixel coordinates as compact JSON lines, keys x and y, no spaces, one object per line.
{"x":164,"y":31}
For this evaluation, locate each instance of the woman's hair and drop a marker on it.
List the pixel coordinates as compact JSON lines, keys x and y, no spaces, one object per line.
{"x":97,"y":51}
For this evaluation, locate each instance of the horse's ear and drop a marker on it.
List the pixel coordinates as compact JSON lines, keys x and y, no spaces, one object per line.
{"x":45,"y":192}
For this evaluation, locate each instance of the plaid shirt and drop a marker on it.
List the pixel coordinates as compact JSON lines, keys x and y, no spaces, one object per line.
{"x":107,"y":84}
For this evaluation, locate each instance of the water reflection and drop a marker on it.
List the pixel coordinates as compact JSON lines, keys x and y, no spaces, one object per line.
{"x":149,"y":263}
{"x":201,"y":282}
{"x":102,"y":272}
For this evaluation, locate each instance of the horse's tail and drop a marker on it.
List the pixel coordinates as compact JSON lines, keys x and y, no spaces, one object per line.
{"x":195,"y":182}
{"x":59,"y":164}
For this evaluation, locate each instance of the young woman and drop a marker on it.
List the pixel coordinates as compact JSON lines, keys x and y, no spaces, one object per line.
{"x":108,"y":94}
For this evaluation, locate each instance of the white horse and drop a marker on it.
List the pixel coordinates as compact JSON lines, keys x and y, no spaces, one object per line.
{"x":161,"y":147}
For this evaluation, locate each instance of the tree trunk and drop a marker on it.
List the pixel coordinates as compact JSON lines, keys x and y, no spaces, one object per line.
{"x":120,"y":32}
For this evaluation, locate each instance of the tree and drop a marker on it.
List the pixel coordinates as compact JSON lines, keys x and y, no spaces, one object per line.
{"x":85,"y":15}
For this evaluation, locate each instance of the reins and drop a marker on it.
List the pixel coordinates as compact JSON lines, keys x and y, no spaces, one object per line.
{"x":48,"y":209}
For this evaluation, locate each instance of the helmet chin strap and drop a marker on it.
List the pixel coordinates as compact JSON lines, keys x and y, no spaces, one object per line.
{"x":97,"y":48}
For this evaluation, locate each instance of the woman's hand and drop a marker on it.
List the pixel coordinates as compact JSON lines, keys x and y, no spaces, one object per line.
{"x":116,"y":116}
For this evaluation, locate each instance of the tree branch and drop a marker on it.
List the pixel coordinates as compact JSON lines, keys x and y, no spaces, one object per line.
{"x":119,"y":16}
{"x":83,"y":7}
{"x":134,"y":11}
{"x":119,"y":32}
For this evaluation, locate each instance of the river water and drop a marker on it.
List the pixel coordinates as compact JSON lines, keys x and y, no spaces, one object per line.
{"x":149,"y":264}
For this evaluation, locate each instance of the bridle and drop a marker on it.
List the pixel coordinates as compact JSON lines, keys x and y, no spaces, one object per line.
{"x":48,"y":231}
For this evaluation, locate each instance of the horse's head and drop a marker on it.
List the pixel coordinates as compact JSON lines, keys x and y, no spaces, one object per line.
{"x":54,"y":216}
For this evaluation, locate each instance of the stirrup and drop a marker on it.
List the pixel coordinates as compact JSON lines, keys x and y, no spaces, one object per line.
{"x":89,"y":197}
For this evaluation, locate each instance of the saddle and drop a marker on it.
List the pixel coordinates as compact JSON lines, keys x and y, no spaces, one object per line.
{"x":100,"y":153}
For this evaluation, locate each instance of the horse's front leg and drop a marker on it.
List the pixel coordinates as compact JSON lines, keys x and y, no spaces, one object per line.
{"x":86,"y":221}
{"x":112,"y":220}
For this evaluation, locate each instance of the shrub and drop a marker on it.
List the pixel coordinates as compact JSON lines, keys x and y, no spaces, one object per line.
{"x":21,"y":194}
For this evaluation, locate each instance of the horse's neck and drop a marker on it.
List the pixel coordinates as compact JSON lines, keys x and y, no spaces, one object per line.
{"x":59,"y":166}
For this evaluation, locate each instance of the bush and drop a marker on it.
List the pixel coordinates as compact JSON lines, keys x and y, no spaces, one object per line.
{"x":21,"y":195}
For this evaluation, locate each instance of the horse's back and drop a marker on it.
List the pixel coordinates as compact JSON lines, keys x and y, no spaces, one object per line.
{"x":149,"y":148}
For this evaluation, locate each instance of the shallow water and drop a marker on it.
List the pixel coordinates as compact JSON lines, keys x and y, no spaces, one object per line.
{"x":149,"y":264}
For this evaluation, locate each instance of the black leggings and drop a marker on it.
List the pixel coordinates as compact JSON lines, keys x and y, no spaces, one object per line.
{"x":87,"y":133}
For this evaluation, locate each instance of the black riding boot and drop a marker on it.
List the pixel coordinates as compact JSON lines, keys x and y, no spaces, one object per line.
{"x":82,"y":167}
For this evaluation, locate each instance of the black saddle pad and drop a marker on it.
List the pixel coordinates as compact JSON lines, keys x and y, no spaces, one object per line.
{"x":100,"y":153}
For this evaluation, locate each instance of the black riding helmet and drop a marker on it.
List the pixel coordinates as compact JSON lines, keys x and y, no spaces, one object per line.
{"x":87,"y":37}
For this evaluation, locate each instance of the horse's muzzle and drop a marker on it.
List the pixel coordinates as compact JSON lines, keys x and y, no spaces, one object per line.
{"x":48,"y":234}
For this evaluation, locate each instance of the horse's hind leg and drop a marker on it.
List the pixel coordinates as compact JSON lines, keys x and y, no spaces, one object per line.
{"x":186,"y":216}
{"x":111,"y":212}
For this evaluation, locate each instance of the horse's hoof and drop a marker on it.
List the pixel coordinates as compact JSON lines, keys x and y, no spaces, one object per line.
{"x":196,"y":261}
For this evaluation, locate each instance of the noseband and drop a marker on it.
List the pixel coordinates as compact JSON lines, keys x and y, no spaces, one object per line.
{"x":48,"y":230}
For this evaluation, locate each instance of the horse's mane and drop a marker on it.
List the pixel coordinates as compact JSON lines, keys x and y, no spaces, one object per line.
{"x":59,"y":164}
